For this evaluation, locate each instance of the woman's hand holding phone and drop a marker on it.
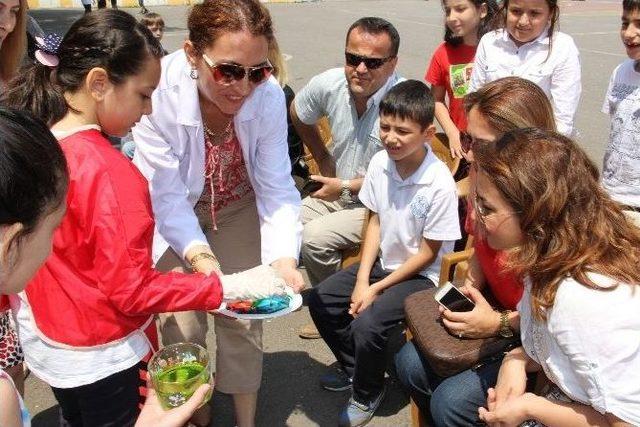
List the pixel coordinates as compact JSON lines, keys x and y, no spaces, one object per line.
{"x":481,"y":322}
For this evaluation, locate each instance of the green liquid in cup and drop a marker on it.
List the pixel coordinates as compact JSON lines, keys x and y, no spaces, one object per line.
{"x":176,"y":384}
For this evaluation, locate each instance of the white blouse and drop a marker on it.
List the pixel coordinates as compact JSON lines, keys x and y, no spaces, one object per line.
{"x":557,"y":73}
{"x":590,"y":344}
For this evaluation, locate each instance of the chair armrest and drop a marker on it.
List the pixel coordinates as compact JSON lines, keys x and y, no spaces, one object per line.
{"x":449,"y":261}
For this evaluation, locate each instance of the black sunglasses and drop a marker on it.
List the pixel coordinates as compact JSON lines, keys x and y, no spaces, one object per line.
{"x":227,"y":73}
{"x":354,"y":60}
{"x":467,"y":141}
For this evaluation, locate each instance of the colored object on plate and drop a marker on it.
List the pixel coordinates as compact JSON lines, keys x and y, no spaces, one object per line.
{"x":260,"y":306}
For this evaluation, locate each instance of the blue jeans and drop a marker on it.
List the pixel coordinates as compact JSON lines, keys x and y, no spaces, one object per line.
{"x":452,"y":401}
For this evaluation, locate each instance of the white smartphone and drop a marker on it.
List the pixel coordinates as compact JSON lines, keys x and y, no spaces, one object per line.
{"x":452,"y":299}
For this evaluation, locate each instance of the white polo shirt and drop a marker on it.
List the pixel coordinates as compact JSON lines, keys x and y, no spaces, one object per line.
{"x":423,"y":205}
{"x":557,"y":73}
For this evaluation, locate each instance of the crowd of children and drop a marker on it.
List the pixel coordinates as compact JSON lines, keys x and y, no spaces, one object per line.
{"x":93,"y":246}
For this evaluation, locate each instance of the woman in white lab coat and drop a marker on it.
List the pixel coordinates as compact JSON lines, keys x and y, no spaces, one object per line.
{"x":215,"y":153}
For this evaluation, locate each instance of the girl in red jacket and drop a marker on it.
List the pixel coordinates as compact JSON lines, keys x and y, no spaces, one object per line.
{"x":86,"y":320}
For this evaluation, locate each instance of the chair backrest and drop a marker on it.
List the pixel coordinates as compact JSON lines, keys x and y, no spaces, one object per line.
{"x":440,"y":146}
{"x":325,"y":133}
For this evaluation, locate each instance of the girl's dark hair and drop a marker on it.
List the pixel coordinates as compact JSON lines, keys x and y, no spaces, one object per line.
{"x":212,"y":18}
{"x":630,"y":5}
{"x":410,"y":99}
{"x":33,"y":170}
{"x":487,"y":23}
{"x":109,"y":39}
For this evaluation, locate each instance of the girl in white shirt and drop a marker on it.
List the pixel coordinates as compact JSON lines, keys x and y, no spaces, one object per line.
{"x":578,"y":255}
{"x":528,"y":46}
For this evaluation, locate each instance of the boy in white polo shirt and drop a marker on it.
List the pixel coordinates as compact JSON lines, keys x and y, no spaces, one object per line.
{"x":414,"y":221}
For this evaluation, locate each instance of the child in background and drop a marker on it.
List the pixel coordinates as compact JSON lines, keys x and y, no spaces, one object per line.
{"x":154,"y":22}
{"x":414,"y":221}
{"x":86,"y":320}
{"x":450,"y":69}
{"x":621,"y":169}
{"x":529,"y":47}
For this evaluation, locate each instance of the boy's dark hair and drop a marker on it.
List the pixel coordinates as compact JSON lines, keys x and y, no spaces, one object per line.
{"x":150,"y":18}
{"x":109,"y":39}
{"x":487,"y":23}
{"x":33,"y":170}
{"x":410,"y":99}
{"x":375,"y":25}
{"x":630,"y":5}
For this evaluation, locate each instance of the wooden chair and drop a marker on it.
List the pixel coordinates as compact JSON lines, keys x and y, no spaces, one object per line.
{"x":440,"y":146}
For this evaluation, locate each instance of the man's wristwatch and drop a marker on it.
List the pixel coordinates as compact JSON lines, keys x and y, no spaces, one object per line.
{"x":345,"y":192}
{"x":505,"y":327}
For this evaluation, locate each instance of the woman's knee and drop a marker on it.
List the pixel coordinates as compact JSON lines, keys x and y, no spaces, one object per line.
{"x":409,"y":367}
{"x":455,"y":402}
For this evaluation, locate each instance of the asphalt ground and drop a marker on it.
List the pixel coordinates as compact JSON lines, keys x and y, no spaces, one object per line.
{"x":312,"y":36}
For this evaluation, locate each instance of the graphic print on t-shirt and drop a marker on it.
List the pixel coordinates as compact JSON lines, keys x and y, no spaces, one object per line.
{"x":460,"y":76}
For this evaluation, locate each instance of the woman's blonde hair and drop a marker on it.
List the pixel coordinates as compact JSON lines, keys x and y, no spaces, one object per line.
{"x":276,"y":59}
{"x":570,"y":226}
{"x":512,"y":103}
{"x":14,"y":46}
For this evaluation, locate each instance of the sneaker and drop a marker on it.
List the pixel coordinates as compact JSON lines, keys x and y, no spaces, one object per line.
{"x":309,"y":332}
{"x":335,"y":381}
{"x":357,"y":414}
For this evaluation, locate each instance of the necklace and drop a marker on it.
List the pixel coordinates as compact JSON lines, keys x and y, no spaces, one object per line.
{"x":219,"y":137}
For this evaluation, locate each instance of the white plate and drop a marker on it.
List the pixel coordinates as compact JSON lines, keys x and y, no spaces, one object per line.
{"x":294,"y":303}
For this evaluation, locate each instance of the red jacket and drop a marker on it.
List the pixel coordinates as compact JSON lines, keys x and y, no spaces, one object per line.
{"x":98,"y":285}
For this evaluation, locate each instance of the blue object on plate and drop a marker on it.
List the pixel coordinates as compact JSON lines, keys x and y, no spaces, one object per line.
{"x":271,"y":304}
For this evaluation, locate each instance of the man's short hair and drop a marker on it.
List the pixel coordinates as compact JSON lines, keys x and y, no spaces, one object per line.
{"x":410,"y":99}
{"x":151,"y":18}
{"x":375,"y":25}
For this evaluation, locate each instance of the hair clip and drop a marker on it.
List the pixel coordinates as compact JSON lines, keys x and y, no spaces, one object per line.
{"x":47,"y":52}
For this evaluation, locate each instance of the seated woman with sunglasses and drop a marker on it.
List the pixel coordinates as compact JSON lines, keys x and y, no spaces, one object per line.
{"x":498,"y":107}
{"x":215,"y":153}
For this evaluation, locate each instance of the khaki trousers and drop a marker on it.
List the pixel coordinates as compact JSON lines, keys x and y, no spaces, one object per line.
{"x":236,"y":243}
{"x":329,"y":229}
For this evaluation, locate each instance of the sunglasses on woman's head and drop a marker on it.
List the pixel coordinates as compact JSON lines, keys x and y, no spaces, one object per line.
{"x":354,"y":60}
{"x":467,"y":141}
{"x":227,"y":73}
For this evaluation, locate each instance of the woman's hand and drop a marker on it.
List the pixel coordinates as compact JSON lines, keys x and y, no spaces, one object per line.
{"x":481,"y":322}
{"x":153,"y":415}
{"x":512,"y":412}
{"x":512,"y":378}
{"x":331,"y":188}
{"x":208,"y":265}
{"x":288,"y":270}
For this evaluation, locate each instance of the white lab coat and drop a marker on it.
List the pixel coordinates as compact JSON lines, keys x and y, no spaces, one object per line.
{"x":170,"y":153}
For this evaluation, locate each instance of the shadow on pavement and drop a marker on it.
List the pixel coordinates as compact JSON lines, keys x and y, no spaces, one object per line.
{"x":47,"y":418}
{"x":56,"y":20}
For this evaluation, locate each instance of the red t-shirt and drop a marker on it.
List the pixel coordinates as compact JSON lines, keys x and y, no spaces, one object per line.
{"x":505,"y":287}
{"x":4,"y":303}
{"x":451,"y":67}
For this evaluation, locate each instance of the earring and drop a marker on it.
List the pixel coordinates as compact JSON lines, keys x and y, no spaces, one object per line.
{"x":194,"y":74}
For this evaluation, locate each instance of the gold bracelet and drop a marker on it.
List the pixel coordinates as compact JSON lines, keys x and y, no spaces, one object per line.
{"x":204,"y":255}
